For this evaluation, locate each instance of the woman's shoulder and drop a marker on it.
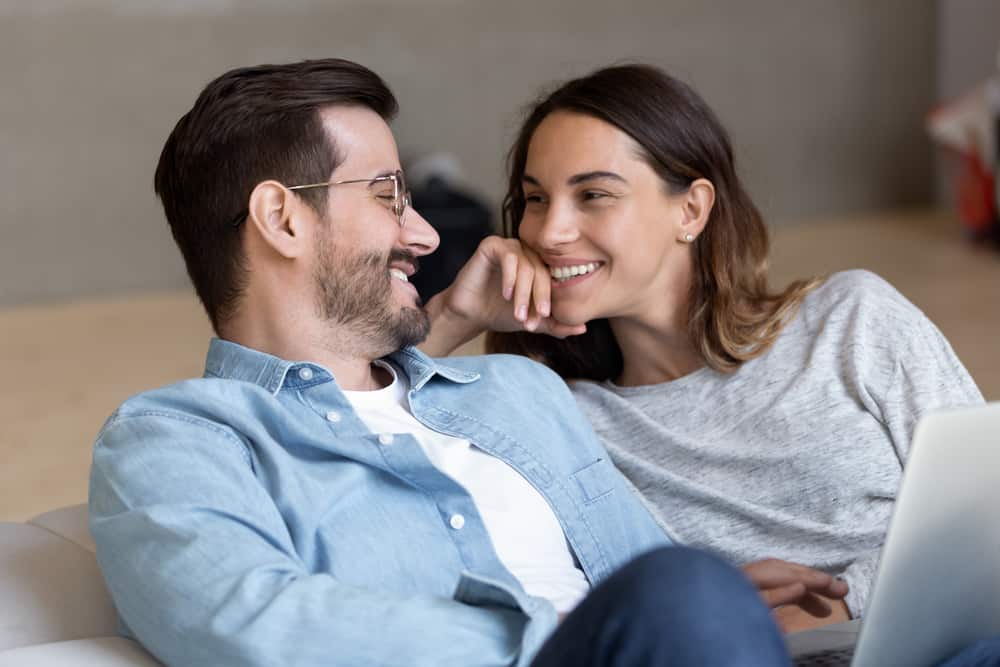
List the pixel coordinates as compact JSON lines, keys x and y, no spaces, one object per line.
{"x":855,"y":285}
{"x":859,"y":295}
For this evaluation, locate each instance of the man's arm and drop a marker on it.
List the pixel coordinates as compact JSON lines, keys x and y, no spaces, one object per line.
{"x":203,"y":570}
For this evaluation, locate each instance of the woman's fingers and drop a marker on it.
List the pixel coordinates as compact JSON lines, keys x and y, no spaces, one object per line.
{"x":509,"y":262}
{"x":525,"y":287}
{"x":782,"y":595}
{"x":522,"y":288}
{"x":773,"y":573}
{"x":541,"y":289}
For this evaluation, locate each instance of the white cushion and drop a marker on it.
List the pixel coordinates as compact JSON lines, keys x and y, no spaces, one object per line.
{"x":97,"y":651}
{"x":50,"y":589}
{"x":70,"y":522}
{"x":54,"y":605}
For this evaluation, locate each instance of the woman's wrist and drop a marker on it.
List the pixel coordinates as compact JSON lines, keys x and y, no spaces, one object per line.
{"x":449,"y":329}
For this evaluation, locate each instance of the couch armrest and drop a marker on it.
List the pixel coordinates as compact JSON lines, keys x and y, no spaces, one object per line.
{"x":51,"y":589}
{"x":102,"y":651}
{"x":70,"y":522}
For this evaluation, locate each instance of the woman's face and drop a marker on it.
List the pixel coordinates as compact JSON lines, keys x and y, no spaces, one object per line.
{"x":602,"y":220}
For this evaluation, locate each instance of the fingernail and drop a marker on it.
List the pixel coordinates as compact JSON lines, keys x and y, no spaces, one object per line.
{"x":543,"y":308}
{"x":522,"y":312}
{"x":507,"y":293}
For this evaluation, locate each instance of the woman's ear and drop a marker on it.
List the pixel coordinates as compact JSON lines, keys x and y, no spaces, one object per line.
{"x":275,"y":214}
{"x":696,"y":208}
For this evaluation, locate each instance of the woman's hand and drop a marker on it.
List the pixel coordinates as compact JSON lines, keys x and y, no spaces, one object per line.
{"x":801,"y":597}
{"x":503,"y":287}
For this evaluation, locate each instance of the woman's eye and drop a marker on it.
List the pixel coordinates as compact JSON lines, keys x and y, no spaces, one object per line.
{"x":593,"y":194}
{"x":533,"y":199}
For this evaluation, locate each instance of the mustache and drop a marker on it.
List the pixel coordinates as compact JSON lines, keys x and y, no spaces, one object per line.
{"x":404,"y":256}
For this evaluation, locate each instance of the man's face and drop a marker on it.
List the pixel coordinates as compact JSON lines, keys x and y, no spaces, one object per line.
{"x":363,"y":256}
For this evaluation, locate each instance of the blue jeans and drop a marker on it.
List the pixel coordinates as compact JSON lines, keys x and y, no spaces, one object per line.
{"x":984,"y":653}
{"x":673,"y":606}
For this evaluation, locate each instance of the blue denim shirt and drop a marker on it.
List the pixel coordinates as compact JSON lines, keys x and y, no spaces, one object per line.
{"x":250,"y":518}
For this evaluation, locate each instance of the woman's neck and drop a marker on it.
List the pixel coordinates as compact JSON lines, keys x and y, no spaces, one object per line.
{"x":655,"y":347}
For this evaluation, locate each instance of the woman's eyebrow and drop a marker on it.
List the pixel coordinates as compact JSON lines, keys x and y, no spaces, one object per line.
{"x":594,"y":175}
{"x":576,"y":179}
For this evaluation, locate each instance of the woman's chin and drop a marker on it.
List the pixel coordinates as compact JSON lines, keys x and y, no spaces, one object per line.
{"x":570,"y":316}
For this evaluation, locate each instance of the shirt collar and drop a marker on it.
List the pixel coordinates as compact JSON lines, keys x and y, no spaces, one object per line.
{"x":232,"y":361}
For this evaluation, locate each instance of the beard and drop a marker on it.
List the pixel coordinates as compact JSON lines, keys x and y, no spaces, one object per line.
{"x":354,"y":291}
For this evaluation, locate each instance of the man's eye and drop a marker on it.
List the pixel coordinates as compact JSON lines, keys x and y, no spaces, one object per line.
{"x":385,"y":197}
{"x":593,"y":194}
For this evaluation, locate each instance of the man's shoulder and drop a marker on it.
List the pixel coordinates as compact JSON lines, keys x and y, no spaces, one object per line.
{"x":196,"y":401}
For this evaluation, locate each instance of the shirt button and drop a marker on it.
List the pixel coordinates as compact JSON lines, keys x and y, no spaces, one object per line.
{"x":386,"y":438}
{"x":305,"y":373}
{"x":333,"y":416}
{"x":457,"y":521}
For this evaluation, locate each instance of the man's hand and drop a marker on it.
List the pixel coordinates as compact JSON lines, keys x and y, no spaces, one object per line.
{"x":801,"y":597}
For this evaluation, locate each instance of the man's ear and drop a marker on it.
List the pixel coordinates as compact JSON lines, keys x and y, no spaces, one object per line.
{"x":696,"y":208}
{"x":277,"y":216}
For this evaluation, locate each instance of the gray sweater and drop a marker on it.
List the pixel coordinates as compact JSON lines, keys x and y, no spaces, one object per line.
{"x":799,"y":453}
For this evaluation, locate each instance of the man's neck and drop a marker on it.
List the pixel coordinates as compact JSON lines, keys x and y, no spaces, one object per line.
{"x":347,"y":358}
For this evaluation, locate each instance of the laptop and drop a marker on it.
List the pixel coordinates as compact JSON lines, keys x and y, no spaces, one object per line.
{"x":937,"y":588}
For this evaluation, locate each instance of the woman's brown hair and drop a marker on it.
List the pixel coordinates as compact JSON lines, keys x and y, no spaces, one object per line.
{"x":733,"y":315}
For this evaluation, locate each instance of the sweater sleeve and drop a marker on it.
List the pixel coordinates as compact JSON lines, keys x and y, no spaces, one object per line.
{"x":904,"y":368}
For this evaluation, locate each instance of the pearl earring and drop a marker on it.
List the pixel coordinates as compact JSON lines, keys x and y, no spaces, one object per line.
{"x":688,"y":238}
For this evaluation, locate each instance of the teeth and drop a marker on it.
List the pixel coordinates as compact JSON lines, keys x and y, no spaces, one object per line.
{"x":563,"y":273}
{"x":399,"y":275}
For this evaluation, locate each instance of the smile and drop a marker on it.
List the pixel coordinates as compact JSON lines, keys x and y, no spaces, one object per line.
{"x":398,"y":275}
{"x":563,"y":273}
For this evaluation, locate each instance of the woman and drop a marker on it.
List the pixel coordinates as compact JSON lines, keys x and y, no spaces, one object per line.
{"x":755,"y":424}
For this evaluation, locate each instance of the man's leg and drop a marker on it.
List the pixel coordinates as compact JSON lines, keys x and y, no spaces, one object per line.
{"x":985,"y":653}
{"x":673,"y":606}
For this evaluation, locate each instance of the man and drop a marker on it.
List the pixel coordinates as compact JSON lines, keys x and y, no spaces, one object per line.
{"x":328,"y":495}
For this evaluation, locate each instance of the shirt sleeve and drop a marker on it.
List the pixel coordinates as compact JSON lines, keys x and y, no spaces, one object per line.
{"x":203,"y":570}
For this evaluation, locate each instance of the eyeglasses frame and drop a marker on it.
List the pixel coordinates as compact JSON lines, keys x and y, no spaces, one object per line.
{"x":401,"y":196}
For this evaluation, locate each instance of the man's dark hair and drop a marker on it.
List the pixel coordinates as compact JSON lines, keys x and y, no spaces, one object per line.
{"x":247,"y":126}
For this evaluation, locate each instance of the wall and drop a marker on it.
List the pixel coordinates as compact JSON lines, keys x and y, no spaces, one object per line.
{"x":825,"y":101}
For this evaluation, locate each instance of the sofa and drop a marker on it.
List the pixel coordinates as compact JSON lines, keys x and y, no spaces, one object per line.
{"x":55,"y":610}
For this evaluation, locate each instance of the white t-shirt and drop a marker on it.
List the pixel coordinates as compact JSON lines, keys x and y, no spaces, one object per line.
{"x":526,"y":535}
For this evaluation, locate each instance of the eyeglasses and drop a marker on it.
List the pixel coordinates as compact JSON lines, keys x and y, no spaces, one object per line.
{"x":397,"y":199}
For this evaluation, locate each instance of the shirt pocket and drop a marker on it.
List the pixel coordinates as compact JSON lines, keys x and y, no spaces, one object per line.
{"x":595,"y":480}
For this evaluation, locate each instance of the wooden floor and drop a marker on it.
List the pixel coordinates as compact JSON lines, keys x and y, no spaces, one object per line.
{"x":68,"y":366}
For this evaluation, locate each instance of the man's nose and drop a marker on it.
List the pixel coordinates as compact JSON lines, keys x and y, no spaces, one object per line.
{"x":417,"y":234}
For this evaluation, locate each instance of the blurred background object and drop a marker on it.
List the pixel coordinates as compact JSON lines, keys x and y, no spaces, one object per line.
{"x":826,"y":103}
{"x":969,"y":127}
{"x":461,"y":218}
